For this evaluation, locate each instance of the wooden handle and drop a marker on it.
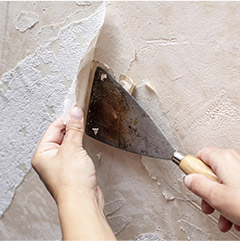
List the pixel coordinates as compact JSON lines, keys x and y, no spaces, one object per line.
{"x":190,"y":164}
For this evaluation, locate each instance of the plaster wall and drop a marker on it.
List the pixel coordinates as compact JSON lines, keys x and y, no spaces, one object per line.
{"x":188,"y":53}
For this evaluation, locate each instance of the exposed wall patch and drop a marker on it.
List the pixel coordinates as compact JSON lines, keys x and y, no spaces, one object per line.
{"x":25,"y":21}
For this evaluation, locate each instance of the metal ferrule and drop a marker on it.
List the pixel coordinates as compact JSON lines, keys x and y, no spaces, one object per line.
{"x":177,"y":156}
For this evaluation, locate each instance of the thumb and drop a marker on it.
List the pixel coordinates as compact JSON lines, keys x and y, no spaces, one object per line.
{"x":209,"y":190}
{"x":75,"y":127}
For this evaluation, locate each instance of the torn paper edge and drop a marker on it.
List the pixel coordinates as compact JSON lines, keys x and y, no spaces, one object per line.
{"x":71,"y":99}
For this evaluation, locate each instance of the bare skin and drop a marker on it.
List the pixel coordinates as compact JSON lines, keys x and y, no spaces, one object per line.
{"x":224,"y":195}
{"x":69,"y":175}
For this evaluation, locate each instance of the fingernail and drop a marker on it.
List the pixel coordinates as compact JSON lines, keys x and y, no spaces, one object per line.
{"x":187,"y":180}
{"x":76,"y":113}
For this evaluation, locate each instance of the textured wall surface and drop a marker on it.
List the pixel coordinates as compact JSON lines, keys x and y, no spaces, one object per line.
{"x":189,"y":54}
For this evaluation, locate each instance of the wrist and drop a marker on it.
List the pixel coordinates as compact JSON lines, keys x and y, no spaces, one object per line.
{"x":78,"y":197}
{"x":82,"y":219}
{"x":80,"y":216}
{"x":73,"y":205}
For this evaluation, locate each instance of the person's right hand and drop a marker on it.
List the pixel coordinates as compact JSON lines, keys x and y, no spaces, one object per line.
{"x":224,"y":195}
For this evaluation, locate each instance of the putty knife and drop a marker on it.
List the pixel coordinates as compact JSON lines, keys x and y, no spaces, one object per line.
{"x":115,"y":118}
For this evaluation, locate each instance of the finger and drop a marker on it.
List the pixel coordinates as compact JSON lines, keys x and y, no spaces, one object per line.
{"x":217,"y":159}
{"x":206,"y":208}
{"x":211,"y":156}
{"x":74,"y":127}
{"x":54,"y":133}
{"x":237,"y":227}
{"x":224,"y":224}
{"x":213,"y":192}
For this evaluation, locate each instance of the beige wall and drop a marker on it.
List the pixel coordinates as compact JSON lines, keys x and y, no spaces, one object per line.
{"x":189,"y":53}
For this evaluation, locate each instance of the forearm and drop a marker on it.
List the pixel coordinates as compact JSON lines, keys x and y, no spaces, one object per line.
{"x":82,"y":220}
{"x":70,"y":176}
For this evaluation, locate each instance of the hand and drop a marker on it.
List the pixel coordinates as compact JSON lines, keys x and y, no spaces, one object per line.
{"x":69,"y":174}
{"x":63,"y":165}
{"x":224,"y":195}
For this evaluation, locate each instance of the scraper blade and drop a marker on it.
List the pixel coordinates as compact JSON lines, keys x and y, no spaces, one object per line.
{"x":115,"y":118}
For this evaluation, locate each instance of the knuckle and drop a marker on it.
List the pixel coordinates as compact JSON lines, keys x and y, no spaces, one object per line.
{"x":228,"y":154}
{"x":206,"y":152}
{"x":74,"y":128}
{"x":208,"y":149}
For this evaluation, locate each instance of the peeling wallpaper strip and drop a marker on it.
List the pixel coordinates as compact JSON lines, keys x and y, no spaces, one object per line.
{"x":33,"y":93}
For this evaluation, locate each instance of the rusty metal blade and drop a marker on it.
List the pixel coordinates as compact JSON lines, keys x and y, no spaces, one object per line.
{"x":115,"y":118}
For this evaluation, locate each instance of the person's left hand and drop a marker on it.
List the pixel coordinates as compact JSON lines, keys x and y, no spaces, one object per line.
{"x":64,"y":165}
